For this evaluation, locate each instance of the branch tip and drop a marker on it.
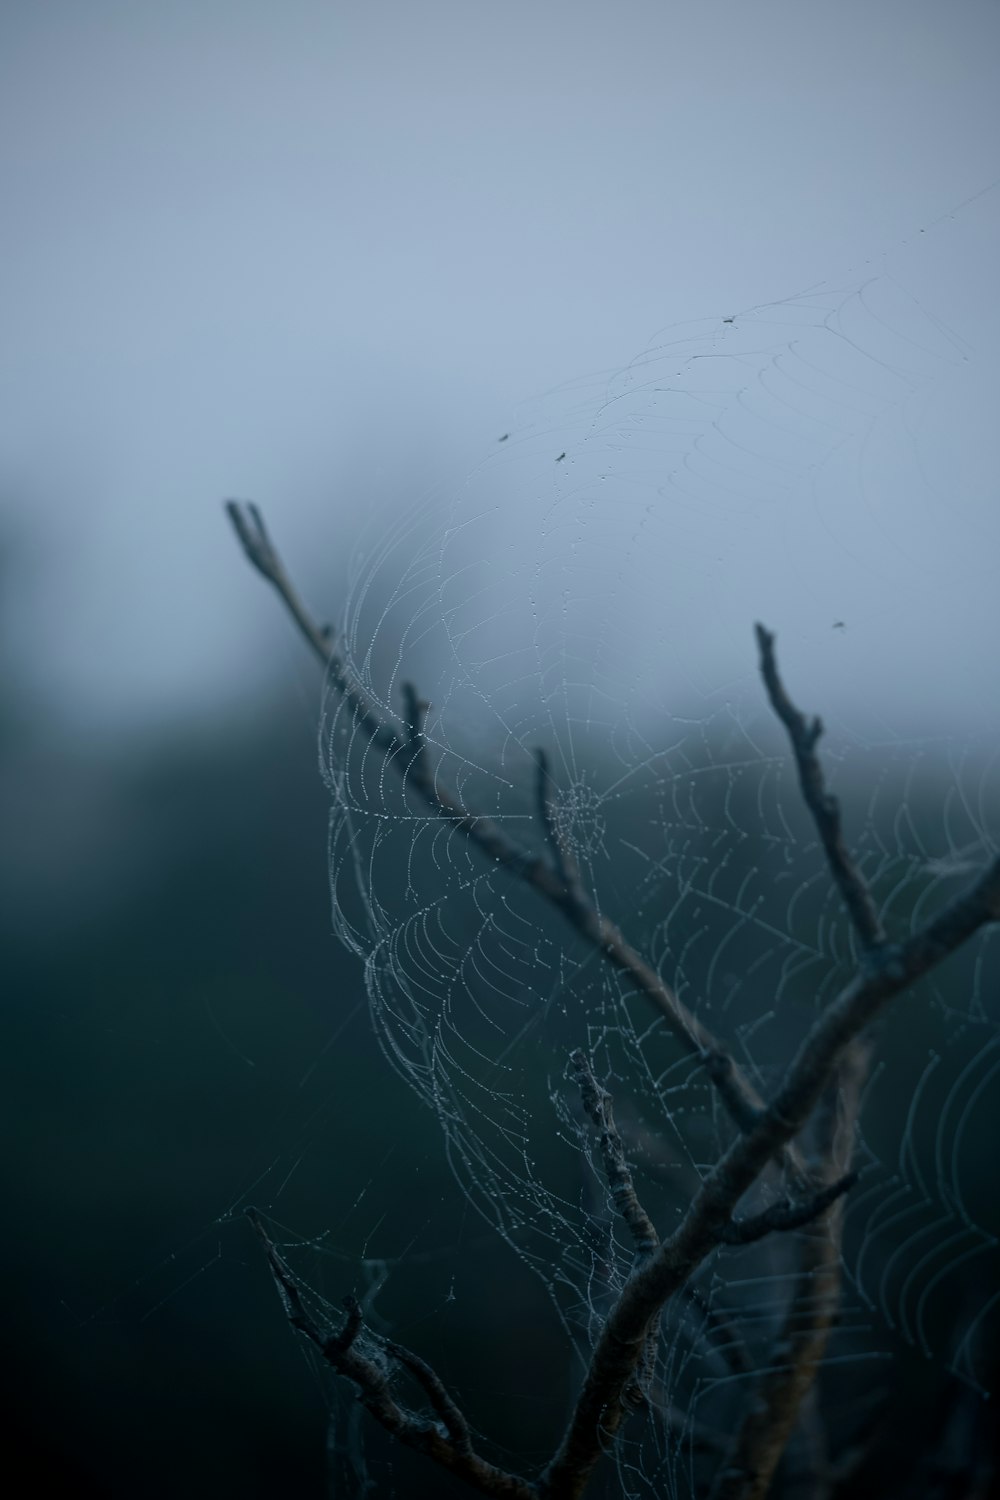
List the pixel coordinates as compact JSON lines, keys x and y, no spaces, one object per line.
{"x":339,"y":1343}
{"x":804,"y":734}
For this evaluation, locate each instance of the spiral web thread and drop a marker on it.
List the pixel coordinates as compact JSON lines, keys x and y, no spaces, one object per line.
{"x":578,"y":595}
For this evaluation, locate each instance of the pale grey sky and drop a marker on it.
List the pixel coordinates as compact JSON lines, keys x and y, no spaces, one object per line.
{"x":316,"y":253}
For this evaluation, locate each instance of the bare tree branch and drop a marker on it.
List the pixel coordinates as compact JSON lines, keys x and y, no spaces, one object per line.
{"x":814,"y":1300}
{"x":248,"y":524}
{"x":455,"y":1424}
{"x":767,"y":1131}
{"x":599,"y":1409}
{"x":772,"y":1411}
{"x":446,"y":1440}
{"x":735,"y":1089}
{"x":599,"y":1106}
{"x":342,"y":1341}
{"x":804,"y":735}
{"x":802,"y":1340}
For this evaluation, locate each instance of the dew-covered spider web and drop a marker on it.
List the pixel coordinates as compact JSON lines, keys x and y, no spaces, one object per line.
{"x":589,"y":592}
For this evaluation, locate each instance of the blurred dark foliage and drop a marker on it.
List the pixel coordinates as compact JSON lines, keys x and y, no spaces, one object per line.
{"x":174,"y":1028}
{"x":183,"y":1036}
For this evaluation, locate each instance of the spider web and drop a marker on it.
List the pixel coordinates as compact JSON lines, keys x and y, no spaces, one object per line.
{"x":588,"y":591}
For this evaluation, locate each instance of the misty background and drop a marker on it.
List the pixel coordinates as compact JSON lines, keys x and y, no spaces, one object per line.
{"x":324,"y":256}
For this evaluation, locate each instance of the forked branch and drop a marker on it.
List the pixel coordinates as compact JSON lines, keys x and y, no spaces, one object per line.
{"x":558,"y":881}
{"x":804,"y":735}
{"x":620,"y":1344}
{"x":771,"y":1413}
{"x":786,"y":1383}
{"x":665,"y":1266}
{"x":373,"y":1365}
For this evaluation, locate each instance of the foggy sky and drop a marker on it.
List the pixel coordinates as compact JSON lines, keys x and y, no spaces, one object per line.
{"x":317,"y":254}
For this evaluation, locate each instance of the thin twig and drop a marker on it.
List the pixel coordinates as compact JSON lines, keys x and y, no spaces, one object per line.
{"x":783,"y":1387}
{"x":814,"y":1299}
{"x":455,"y":1424}
{"x":599,"y":1106}
{"x":446,"y":1439}
{"x":804,"y":735}
{"x":340,"y":1342}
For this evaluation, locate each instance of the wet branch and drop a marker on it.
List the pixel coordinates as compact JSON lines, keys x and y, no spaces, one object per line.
{"x":599,"y":1106}
{"x":248,"y":523}
{"x":830,"y":1054}
{"x":787,"y":1383}
{"x":804,"y":734}
{"x":371,"y":1367}
{"x":619,"y":1348}
{"x":557,"y":882}
{"x":783,"y":1387}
